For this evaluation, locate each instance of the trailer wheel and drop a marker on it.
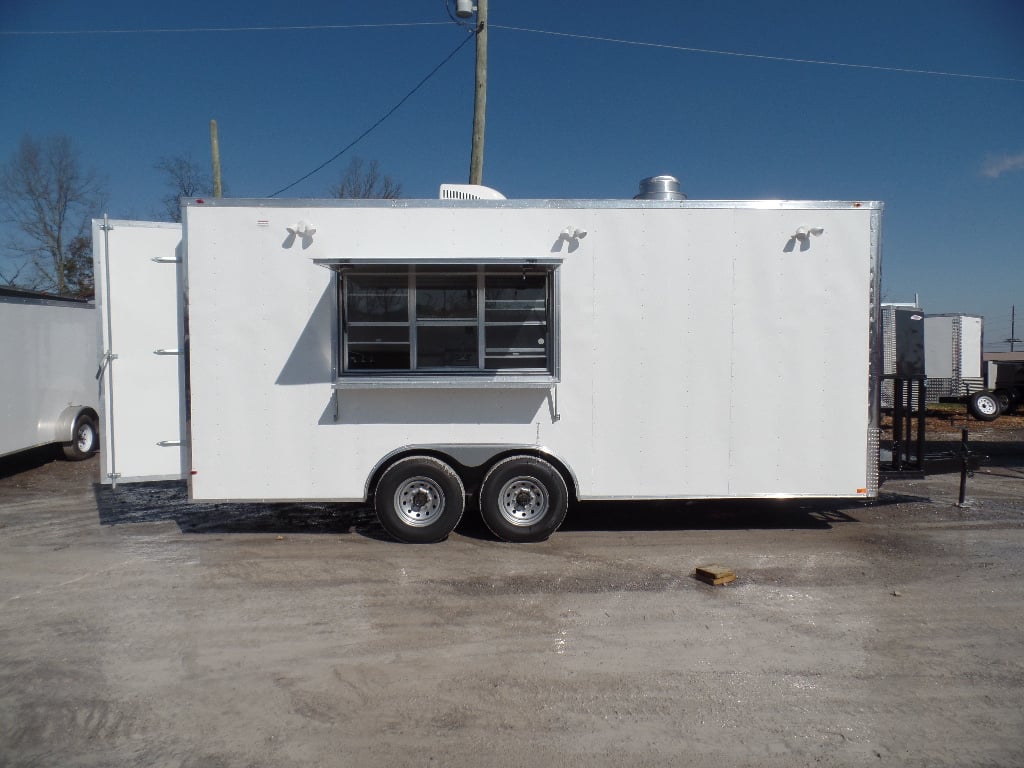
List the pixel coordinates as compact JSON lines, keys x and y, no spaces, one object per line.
{"x":85,"y":439}
{"x":1007,"y":400}
{"x":984,"y":406}
{"x":419,"y":499}
{"x":523,"y":498}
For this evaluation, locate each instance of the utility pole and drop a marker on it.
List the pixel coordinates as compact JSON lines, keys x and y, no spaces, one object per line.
{"x":215,"y":149}
{"x":476,"y":158}
{"x":1013,"y":327}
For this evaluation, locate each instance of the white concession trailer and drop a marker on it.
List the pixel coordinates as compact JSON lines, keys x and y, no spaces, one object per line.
{"x":47,"y":376}
{"x":521,"y":353}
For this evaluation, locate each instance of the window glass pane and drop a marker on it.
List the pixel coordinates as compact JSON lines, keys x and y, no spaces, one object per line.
{"x":445,"y":269}
{"x":516,"y":362}
{"x":446,"y":346}
{"x":376,"y":357}
{"x":379,"y":333}
{"x":523,"y":337}
{"x":381,"y":298}
{"x":446,"y":296}
{"x":445,"y":327}
{"x":515,"y":298}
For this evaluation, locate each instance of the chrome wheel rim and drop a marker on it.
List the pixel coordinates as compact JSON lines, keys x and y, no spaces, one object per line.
{"x":523,"y":501}
{"x":987,"y":405}
{"x":84,"y":437}
{"x":419,"y":501}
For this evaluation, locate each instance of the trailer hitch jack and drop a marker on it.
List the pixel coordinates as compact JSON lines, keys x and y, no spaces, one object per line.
{"x":965,"y":466}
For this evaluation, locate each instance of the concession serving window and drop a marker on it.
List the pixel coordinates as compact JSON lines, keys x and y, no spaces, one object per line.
{"x":446,"y":324}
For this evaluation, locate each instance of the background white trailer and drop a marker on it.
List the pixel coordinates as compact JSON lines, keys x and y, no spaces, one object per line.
{"x":953,"y":359}
{"x":683,"y":349}
{"x":47,"y":379}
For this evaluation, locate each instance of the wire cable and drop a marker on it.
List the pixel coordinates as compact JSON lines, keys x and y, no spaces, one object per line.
{"x":188,"y":30}
{"x":448,"y":9}
{"x":763,"y":57}
{"x":388,"y":114}
{"x":597,"y":38}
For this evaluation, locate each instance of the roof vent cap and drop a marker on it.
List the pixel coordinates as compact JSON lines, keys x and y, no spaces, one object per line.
{"x":469,"y":192}
{"x":660,"y":188}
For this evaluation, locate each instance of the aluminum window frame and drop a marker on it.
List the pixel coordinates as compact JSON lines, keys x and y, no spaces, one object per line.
{"x":479,"y":375}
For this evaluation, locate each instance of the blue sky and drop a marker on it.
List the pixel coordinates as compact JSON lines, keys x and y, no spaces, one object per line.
{"x":568,"y":116}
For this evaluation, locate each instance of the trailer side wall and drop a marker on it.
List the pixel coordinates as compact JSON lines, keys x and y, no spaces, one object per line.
{"x":705,"y":351}
{"x":48,"y":349}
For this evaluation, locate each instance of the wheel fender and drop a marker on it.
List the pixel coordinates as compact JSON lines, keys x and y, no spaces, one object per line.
{"x":63,"y":430}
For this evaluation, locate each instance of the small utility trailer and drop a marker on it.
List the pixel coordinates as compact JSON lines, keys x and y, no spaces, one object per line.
{"x":1000,"y":391}
{"x":515,"y":353}
{"x":1004,"y":379}
{"x":957,"y":372}
{"x":47,"y":376}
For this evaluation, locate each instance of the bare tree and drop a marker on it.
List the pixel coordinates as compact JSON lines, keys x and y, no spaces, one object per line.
{"x":79,"y":272}
{"x":13,"y":276}
{"x":184,"y":178}
{"x":359,"y":183}
{"x":47,"y":198}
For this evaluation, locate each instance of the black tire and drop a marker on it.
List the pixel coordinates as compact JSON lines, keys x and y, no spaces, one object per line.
{"x":419,"y":499}
{"x":86,"y":439}
{"x":523,"y":498}
{"x":1007,"y":400}
{"x":984,"y":406}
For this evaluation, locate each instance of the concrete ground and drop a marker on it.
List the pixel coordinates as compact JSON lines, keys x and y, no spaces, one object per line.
{"x":139,"y":630}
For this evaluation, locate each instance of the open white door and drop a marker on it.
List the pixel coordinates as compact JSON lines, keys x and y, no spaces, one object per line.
{"x":138,"y":295}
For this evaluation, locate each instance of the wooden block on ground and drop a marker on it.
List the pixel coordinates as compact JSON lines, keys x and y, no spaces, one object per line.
{"x":715,"y":574}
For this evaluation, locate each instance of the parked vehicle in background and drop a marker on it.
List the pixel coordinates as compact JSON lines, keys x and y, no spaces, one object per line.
{"x":1004,"y":389}
{"x":47,"y":376}
{"x":957,"y":371}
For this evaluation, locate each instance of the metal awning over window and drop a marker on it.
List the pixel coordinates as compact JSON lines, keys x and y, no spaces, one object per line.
{"x":338,"y":264}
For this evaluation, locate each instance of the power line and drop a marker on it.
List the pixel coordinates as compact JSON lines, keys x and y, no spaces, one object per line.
{"x":189,"y":30}
{"x":597,"y":38}
{"x":388,"y":114}
{"x":763,"y":57}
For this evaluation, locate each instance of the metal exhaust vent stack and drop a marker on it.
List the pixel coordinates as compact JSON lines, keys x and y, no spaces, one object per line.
{"x":660,"y":188}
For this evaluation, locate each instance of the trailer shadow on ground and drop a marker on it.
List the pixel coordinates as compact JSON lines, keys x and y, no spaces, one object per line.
{"x":25,"y":461}
{"x":168,"y":502}
{"x":706,"y":515}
